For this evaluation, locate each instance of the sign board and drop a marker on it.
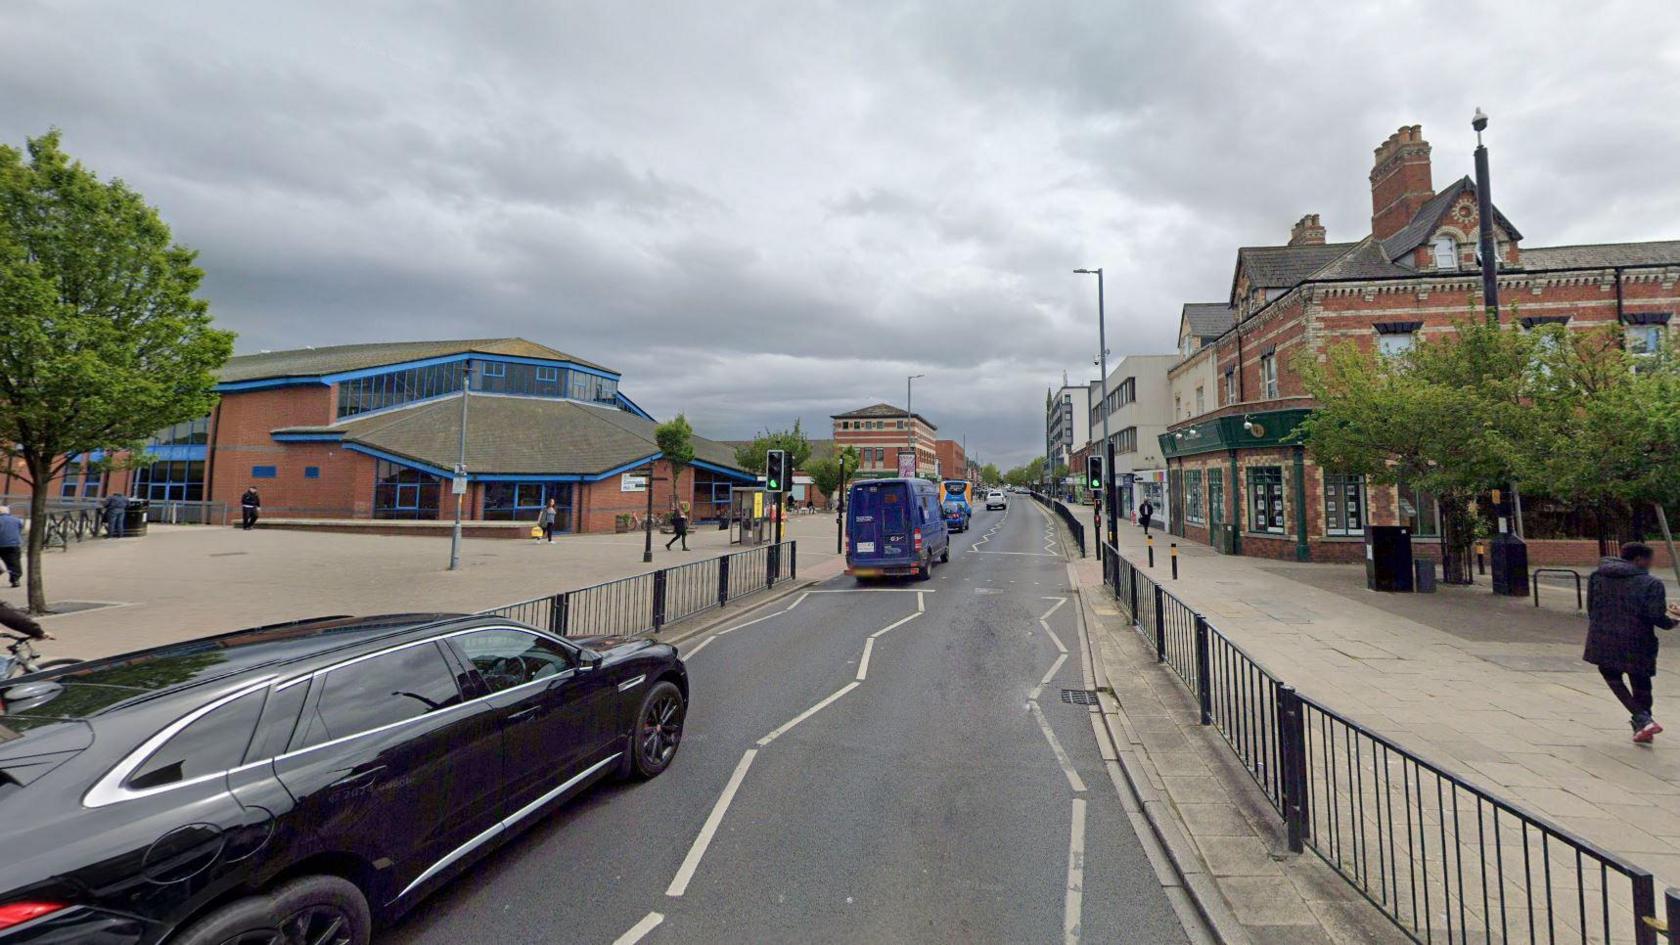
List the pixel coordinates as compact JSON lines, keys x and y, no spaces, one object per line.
{"x":907,"y":464}
{"x":458,"y":485}
{"x":758,"y":505}
{"x":631,"y":482}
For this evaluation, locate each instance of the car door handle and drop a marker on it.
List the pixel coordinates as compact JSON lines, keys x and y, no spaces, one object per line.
{"x":355,"y":781}
{"x":524,"y":714}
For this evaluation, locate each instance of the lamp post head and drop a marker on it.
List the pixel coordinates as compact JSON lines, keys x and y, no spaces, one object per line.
{"x":1090,"y":272}
{"x":1479,"y":122}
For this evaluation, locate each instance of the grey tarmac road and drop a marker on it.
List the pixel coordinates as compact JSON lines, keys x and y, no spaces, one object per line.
{"x":922,"y":800}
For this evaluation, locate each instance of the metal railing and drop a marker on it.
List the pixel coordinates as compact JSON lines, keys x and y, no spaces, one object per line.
{"x":647,"y":602}
{"x":65,"y":525}
{"x":1074,"y":526}
{"x":1444,"y":859}
{"x":1534,"y":579}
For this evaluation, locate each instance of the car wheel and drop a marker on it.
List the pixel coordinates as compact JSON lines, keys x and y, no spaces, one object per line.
{"x":313,"y":910}
{"x":925,"y":572}
{"x":658,"y":732}
{"x":945,"y":556}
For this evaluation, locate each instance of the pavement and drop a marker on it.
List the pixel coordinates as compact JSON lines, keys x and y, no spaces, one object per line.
{"x":185,"y":581}
{"x":1492,"y":688}
{"x":878,"y":763}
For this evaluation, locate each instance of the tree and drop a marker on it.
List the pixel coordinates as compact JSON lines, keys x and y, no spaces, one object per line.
{"x":676,"y":440}
{"x":751,"y":456}
{"x":828,"y":474}
{"x":990,"y":475}
{"x":102,"y":341}
{"x":1438,"y":418}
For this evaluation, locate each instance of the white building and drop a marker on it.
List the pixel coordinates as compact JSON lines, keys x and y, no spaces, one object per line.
{"x":1067,"y":424}
{"x":1137,"y":404}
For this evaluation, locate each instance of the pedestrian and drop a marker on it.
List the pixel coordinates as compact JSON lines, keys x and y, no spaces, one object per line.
{"x":116,"y":515}
{"x":14,"y":619}
{"x":11,"y":544}
{"x":1625,"y":605}
{"x":546,"y":518}
{"x":679,"y":524}
{"x":249,"y":504}
{"x":1145,"y":511}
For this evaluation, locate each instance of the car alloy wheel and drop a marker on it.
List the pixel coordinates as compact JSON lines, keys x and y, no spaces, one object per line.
{"x":320,"y":924}
{"x":661,"y":729}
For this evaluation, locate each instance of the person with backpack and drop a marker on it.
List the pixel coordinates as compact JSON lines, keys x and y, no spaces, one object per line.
{"x":1625,"y":606}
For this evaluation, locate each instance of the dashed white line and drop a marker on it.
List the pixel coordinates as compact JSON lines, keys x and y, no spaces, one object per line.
{"x":787,"y":726}
{"x":1075,"y":901}
{"x":691,"y":862}
{"x":1054,"y":668}
{"x":1074,"y":780}
{"x":648,"y":924}
{"x":863,"y":664}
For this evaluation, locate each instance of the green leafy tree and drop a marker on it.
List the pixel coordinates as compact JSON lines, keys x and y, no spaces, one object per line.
{"x":102,"y":340}
{"x":829,"y":473}
{"x":751,"y":456}
{"x":990,"y":475}
{"x":676,"y":440}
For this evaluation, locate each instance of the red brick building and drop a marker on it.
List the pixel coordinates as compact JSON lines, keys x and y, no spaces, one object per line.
{"x":953,"y":463}
{"x":1237,"y":483}
{"x":880,"y":432}
{"x":374,"y":432}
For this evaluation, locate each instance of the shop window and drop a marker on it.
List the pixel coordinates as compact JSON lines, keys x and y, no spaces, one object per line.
{"x":1265,"y":499}
{"x":524,"y":501}
{"x":1194,"y":501}
{"x":1344,"y":504}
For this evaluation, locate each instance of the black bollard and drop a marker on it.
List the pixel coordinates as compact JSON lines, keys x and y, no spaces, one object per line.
{"x":1151,"y":541}
{"x":1175,"y":560}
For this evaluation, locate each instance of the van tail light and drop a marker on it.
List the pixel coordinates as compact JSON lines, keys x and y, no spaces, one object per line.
{"x":917,"y":537}
{"x":17,"y":913}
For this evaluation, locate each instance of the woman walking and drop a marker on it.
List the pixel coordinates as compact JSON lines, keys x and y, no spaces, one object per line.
{"x":546,"y":518}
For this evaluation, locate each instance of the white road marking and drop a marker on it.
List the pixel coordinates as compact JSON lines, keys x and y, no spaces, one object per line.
{"x":1053,"y":638}
{"x":1029,"y":554}
{"x":863,"y":664}
{"x":787,"y":726}
{"x":1074,"y":780}
{"x":797,"y":601}
{"x":1071,"y":923}
{"x":742,"y":626}
{"x":703,"y":644}
{"x":648,"y":924}
{"x":894,"y":625}
{"x":872,"y":590}
{"x":691,"y":862}
{"x":1054,"y":668}
{"x":921,"y":603}
{"x":1059,"y":602}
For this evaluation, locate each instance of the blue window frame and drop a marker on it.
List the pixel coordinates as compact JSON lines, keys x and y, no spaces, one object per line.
{"x":548,"y":375}
{"x":401,"y":492}
{"x":524,"y":501}
{"x":311,"y":472}
{"x":169,"y":481}
{"x":264,"y":472}
{"x":495,"y":369}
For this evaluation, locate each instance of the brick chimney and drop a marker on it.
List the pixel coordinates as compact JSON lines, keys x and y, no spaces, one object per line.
{"x":1400,"y":182}
{"x":1307,"y":232}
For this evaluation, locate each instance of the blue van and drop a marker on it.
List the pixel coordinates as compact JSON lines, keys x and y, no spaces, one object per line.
{"x":896,"y":528}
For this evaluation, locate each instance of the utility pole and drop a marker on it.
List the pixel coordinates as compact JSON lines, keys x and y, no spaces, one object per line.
{"x":1108,"y":504}
{"x":647,"y":520}
{"x":458,"y":483}
{"x":910,"y":423}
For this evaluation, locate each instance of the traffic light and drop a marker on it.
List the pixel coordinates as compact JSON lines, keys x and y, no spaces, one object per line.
{"x":777,"y":475}
{"x":1093,"y":472}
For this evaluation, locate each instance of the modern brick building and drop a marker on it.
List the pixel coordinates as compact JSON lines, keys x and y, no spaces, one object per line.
{"x":374,"y":432}
{"x":952,"y":462}
{"x":880,"y":432}
{"x":1236,"y":480}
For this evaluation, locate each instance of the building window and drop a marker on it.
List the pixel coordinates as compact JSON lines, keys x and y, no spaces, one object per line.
{"x":1344,"y":504}
{"x":1216,"y":497}
{"x":548,"y":375}
{"x":169,"y":481}
{"x":1419,"y":511}
{"x":524,"y":501}
{"x":186,"y":433}
{"x":1265,"y":499}
{"x":1446,"y":253}
{"x":494,"y":369}
{"x":264,"y":472}
{"x":1201,"y":402}
{"x":1178,"y":407}
{"x":311,"y":472}
{"x":401,"y":492}
{"x":1230,"y":385}
{"x":1194,"y":500}
{"x":1268,"y":376}
{"x":1644,"y":339}
{"x":1396,"y":343}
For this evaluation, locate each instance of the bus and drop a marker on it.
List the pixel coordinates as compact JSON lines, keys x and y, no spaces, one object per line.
{"x":960,"y":490}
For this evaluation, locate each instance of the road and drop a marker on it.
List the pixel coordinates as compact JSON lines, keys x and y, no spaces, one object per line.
{"x":894,"y":764}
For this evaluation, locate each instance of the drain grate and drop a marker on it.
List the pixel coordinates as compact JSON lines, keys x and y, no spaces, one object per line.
{"x":1080,"y":696}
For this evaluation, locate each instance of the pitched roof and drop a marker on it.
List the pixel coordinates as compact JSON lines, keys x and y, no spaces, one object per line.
{"x":1428,"y":218}
{"x":875,"y":411}
{"x":1366,"y":259}
{"x":1281,"y":267}
{"x":538,"y":436}
{"x":315,"y":362}
{"x":1208,"y":319}
{"x":1601,"y":254}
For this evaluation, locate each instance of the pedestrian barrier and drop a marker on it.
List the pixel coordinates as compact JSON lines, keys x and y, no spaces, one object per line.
{"x":1534,"y":580}
{"x":1444,"y":859}
{"x":1074,"y":525}
{"x":73,"y":524}
{"x":647,"y":602}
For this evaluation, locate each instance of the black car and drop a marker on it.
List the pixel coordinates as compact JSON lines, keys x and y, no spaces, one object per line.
{"x":304,"y":781}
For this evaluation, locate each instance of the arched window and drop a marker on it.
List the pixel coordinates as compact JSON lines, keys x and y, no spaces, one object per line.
{"x":1446,"y":253}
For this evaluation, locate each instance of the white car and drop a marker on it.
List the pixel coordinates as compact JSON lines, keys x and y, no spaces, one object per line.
{"x":996,"y":500}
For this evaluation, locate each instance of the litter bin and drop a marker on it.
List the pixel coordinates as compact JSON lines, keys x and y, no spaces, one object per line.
{"x":1425,"y":574}
{"x":134,"y":521}
{"x":1388,"y":558}
{"x":1509,"y":561}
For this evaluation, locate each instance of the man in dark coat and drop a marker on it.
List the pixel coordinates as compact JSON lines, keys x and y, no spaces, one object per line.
{"x":249,"y":504}
{"x":116,"y":514}
{"x":1625,"y":605}
{"x":1145,"y":512}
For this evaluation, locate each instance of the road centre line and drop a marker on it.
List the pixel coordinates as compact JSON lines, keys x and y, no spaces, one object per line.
{"x":1054,"y":668}
{"x":894,"y":625}
{"x":1074,"y":780}
{"x":1075,"y":901}
{"x":635,"y":934}
{"x":863,"y":663}
{"x":787,"y":726}
{"x":691,"y":862}
{"x":1053,"y":638}
{"x":1058,"y":606}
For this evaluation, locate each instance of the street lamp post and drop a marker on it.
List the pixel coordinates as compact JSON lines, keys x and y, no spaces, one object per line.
{"x":1108,"y":502}
{"x":1484,"y":208}
{"x":910,"y":422}
{"x":840,"y":510}
{"x":457,"y":484}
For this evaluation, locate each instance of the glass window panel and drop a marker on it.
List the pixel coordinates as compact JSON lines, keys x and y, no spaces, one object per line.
{"x":393,"y":687}
{"x":212,"y":743}
{"x":509,"y":658}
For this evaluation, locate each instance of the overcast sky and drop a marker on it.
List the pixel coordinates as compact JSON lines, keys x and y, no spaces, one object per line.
{"x":776,"y":210}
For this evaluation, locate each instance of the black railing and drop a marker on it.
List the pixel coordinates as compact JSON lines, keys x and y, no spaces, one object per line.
{"x":646,"y":603}
{"x":1445,"y":860}
{"x":65,"y":525}
{"x":1074,"y":525}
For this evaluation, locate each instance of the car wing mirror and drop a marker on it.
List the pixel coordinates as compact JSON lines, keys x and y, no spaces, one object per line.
{"x":590,"y":662}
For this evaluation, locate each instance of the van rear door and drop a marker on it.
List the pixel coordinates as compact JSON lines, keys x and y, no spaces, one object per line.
{"x":879,"y":525}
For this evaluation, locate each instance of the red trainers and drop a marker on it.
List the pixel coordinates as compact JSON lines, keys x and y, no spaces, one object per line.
{"x":1650,"y":730}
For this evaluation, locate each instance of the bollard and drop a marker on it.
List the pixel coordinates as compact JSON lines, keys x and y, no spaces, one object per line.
{"x":1150,"y":540}
{"x":1175,"y":560}
{"x":1481,"y":562}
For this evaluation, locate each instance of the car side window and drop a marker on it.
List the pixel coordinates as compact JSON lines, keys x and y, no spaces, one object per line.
{"x":508,"y":658}
{"x":212,"y":743}
{"x":279,"y":719}
{"x":391,"y":687}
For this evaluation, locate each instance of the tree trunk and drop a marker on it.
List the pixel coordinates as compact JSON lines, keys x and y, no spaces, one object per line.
{"x":1668,"y":538}
{"x":1458,"y":537}
{"x":37,"y":530}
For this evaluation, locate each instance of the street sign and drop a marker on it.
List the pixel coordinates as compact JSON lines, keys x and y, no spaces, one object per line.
{"x":630,"y":482}
{"x":458,"y":485}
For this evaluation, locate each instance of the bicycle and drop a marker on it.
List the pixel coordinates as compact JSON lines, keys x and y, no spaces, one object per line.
{"x":23,"y":660}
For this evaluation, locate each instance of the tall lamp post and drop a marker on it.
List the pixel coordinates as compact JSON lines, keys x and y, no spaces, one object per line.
{"x":458,"y":484}
{"x":1108,"y":504}
{"x":910,"y":422}
{"x":840,"y":510}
